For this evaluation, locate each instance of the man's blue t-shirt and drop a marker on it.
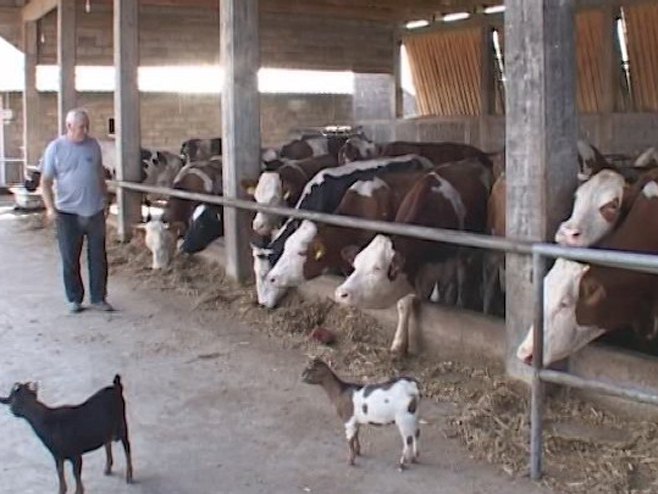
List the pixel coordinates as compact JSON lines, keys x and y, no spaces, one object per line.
{"x":78,"y":170}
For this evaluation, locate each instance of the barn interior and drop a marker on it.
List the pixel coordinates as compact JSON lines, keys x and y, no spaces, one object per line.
{"x":456,"y":52}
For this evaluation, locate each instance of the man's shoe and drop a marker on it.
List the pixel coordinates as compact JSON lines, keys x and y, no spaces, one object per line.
{"x":75,"y":307}
{"x":102,"y":306}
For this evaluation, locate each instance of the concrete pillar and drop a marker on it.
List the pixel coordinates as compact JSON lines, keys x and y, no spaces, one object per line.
{"x":126,"y":111}
{"x":240,"y":59}
{"x":66,"y":41}
{"x":541,"y":131}
{"x":30,"y":95}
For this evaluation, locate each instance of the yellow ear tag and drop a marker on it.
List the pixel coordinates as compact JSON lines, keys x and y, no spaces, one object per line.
{"x":286,"y":196}
{"x":251,"y":190}
{"x":319,"y":253}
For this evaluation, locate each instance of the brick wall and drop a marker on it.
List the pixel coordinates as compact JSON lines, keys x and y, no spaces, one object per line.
{"x":169,"y":119}
{"x":174,"y":36}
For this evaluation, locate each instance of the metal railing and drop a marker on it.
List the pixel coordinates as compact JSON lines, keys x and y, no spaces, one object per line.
{"x":539,"y":252}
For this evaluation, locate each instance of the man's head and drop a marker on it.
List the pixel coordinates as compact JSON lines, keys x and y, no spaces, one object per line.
{"x":77,"y":124}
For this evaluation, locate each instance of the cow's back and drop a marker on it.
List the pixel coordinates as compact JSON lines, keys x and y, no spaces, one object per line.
{"x":437,"y":152}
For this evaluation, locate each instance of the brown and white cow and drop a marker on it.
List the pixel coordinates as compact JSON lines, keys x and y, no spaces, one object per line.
{"x":315,"y":249}
{"x":388,"y":269}
{"x":283,"y":187}
{"x":302,"y":148}
{"x":200,"y":176}
{"x":324,"y":193}
{"x":494,"y":261}
{"x":201,"y":149}
{"x":582,"y":301}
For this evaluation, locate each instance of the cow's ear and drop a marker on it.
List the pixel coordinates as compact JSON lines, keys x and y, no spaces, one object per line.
{"x":397,"y":263}
{"x":249,"y":186}
{"x":348,"y":253}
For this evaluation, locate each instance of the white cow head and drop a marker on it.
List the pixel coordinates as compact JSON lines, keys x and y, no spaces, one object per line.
{"x":595,"y":210}
{"x":269,"y":192}
{"x":268,"y":294}
{"x":289,"y":269}
{"x":562,"y":334}
{"x":377,"y":280}
{"x":161,"y":242}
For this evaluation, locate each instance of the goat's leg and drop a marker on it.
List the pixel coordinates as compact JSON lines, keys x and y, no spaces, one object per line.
{"x":109,"y":461}
{"x":357,"y":444}
{"x":129,"y":461}
{"x":77,"y":473}
{"x":408,"y":430}
{"x":415,"y":445}
{"x":351,"y":433}
{"x":59,"y":463}
{"x":401,"y":338}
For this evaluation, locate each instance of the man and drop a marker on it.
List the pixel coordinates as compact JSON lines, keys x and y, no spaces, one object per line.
{"x":74,"y":162}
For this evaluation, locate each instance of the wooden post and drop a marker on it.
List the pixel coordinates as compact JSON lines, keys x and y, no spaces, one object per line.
{"x":240,"y":59}
{"x":126,"y":112}
{"x":541,"y":132}
{"x":30,"y":95}
{"x":66,"y":55}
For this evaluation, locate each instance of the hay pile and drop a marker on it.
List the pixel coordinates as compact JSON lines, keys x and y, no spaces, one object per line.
{"x":586,"y":450}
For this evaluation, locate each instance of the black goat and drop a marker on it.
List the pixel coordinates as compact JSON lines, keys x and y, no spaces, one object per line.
{"x":70,"y":431}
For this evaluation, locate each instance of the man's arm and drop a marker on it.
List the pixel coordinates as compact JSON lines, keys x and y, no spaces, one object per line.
{"x":47,"y":179}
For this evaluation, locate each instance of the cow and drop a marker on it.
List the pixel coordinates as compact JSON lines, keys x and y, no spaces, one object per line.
{"x":159,"y":169}
{"x":600,"y":204}
{"x":494,"y":261}
{"x":314,"y":249}
{"x":324,"y":193}
{"x":206,"y":225}
{"x":200,"y":149}
{"x":590,"y":161}
{"x":200,"y":176}
{"x":304,"y":147}
{"x":582,"y":301}
{"x":283,"y":187}
{"x":389,"y":269}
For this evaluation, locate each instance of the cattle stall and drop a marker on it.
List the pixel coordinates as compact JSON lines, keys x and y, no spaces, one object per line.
{"x":544,"y":90}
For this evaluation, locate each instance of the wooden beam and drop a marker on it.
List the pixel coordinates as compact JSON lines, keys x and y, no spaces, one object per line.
{"x":487,"y":78}
{"x":36,"y":9}
{"x":127,"y":112}
{"x":541,"y":133}
{"x":240,"y":58}
{"x":66,"y":55}
{"x":30,"y":95}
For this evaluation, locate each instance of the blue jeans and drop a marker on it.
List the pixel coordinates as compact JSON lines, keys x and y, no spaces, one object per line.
{"x":71,"y":231}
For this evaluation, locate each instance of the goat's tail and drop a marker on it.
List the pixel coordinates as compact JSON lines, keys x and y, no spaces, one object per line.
{"x":117,"y":382}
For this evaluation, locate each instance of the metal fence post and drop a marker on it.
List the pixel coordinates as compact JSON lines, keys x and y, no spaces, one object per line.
{"x":537,"y":403}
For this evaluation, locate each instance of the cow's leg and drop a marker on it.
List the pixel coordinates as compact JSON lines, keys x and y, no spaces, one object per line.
{"x":401,"y":338}
{"x":461,"y":278}
{"x":490,"y":278}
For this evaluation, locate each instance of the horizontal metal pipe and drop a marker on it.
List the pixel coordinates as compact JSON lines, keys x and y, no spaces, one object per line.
{"x":426,"y":233}
{"x":566,"y":379}
{"x":641,"y":262}
{"x":627,"y":260}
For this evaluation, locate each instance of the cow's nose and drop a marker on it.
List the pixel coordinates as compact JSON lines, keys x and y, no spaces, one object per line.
{"x":342,"y":295}
{"x":528,"y":360}
{"x":273,"y":280}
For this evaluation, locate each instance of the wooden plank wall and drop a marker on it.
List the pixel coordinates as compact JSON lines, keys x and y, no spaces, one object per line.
{"x":641,"y":23}
{"x":446,"y":71}
{"x":589,"y":61}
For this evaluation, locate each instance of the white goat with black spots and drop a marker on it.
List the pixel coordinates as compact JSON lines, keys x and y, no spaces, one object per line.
{"x":393,"y":402}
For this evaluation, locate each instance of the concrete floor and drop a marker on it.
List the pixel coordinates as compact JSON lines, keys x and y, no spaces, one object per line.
{"x":213,"y":405}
